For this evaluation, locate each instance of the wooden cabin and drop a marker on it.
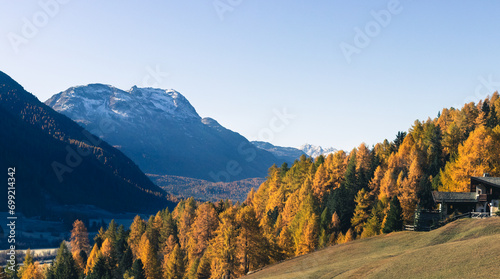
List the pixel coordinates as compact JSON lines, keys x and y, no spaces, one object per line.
{"x":484,"y":197}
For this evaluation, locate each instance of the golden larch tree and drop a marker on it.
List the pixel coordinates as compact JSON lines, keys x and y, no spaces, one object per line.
{"x":320,"y":183}
{"x":149,"y":258}
{"x":251,"y":245}
{"x":409,"y":190}
{"x":92,"y":259}
{"x":32,"y":271}
{"x":107,"y":248}
{"x":479,"y":154}
{"x":79,"y":238}
{"x":202,"y":230}
{"x":309,"y":240}
{"x":224,"y":262}
{"x":137,"y":229}
{"x":186,"y":219}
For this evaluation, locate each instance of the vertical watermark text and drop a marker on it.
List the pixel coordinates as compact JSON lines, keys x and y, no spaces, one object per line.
{"x":11,"y":219}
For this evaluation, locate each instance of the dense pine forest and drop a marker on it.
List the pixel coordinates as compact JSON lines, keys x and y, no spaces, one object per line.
{"x":314,"y":203}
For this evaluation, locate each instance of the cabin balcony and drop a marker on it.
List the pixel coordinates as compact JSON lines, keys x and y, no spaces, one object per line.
{"x":482,"y":198}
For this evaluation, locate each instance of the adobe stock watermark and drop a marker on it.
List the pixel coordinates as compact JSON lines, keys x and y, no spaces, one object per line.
{"x":156,"y":75}
{"x":225,"y":6}
{"x":74,"y":156}
{"x":31,"y":26}
{"x":363,"y":37}
{"x":278,"y":123}
{"x":486,"y":87}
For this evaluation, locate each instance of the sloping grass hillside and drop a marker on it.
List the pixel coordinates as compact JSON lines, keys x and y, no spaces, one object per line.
{"x":466,"y":248}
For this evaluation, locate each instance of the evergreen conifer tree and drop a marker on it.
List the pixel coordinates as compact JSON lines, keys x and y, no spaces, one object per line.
{"x":65,"y":266}
{"x":393,"y":220}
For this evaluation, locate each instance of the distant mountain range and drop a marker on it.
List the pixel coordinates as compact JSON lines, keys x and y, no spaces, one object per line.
{"x":290,"y":154}
{"x":283,"y":154}
{"x":314,"y":151}
{"x":59,"y":165}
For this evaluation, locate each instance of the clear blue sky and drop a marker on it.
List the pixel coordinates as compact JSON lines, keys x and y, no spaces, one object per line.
{"x":239,"y":65}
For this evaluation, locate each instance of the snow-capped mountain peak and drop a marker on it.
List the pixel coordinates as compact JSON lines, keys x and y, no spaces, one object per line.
{"x":108,"y":101}
{"x":314,"y":151}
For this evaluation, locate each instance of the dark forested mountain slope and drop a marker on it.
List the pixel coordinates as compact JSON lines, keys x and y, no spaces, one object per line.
{"x":58,"y":163}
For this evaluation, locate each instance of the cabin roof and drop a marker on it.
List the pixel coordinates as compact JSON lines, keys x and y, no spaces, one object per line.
{"x":454,"y":197}
{"x":490,"y":181}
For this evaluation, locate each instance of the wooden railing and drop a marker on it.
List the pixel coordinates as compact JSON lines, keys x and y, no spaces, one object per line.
{"x":479,"y":215}
{"x":409,"y":228}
